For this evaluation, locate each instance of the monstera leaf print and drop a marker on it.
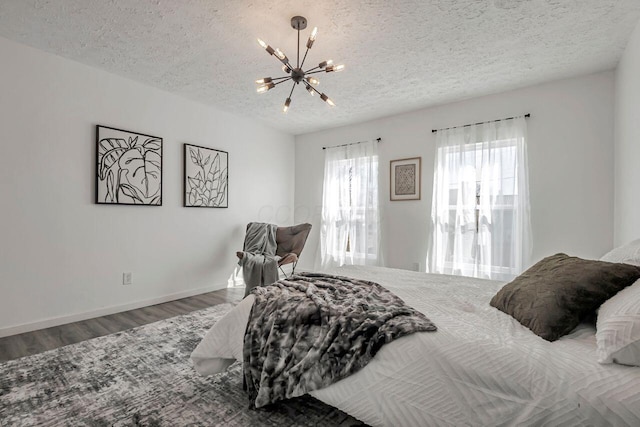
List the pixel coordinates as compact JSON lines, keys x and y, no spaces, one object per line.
{"x":109,"y":152}
{"x":131,"y":170}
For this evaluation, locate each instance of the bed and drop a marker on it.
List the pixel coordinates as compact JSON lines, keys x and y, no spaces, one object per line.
{"x":481,"y":367}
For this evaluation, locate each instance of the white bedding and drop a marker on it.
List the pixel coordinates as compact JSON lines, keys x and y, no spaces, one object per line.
{"x":480,"y":368}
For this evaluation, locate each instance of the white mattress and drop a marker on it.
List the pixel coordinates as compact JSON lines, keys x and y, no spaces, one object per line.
{"x":480,"y":368}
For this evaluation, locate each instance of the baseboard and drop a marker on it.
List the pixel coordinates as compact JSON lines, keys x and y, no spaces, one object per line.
{"x":105,"y":311}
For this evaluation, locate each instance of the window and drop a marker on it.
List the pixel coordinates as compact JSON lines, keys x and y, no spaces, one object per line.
{"x":350,"y":228}
{"x":480,"y":211}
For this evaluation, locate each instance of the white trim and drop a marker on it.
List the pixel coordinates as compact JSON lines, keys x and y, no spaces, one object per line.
{"x":105,"y":311}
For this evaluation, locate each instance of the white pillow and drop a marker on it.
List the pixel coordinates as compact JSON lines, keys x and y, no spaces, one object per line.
{"x":223,"y":344}
{"x":628,"y":254}
{"x":618,"y":328}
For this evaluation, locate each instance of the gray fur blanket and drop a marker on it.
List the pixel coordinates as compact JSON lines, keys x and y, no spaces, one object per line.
{"x":311,"y":330}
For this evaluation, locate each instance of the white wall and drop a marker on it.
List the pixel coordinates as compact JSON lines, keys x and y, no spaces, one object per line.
{"x":627,"y":143}
{"x":61,"y":256}
{"x":570,"y":155}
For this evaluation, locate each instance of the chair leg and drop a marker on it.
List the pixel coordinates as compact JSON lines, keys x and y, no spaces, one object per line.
{"x":293,"y":270}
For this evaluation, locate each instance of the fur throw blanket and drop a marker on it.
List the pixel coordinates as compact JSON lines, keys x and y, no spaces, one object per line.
{"x":311,"y":330}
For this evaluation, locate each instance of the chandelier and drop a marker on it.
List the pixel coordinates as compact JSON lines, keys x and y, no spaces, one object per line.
{"x":297,"y":74}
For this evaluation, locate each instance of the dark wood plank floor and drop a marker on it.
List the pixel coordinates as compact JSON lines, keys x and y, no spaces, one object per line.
{"x":29,"y":343}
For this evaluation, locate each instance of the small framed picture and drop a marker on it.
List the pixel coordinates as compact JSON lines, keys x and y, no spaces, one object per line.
{"x":129,"y":166}
{"x":405,"y":179}
{"x":206,"y":177}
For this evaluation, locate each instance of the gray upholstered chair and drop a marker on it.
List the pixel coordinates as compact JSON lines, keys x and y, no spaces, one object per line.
{"x":290,"y":242}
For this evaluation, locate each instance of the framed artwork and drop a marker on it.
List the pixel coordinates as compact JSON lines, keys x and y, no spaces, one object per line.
{"x":206,"y":177}
{"x":129,"y":168}
{"x":405,"y":179}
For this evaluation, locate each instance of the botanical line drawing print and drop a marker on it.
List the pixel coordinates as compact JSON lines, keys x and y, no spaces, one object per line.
{"x":129,"y":168}
{"x":206,"y":177}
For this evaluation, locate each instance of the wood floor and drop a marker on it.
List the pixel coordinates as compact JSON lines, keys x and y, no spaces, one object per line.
{"x":29,"y":343}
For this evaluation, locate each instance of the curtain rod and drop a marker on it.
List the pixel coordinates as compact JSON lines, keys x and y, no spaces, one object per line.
{"x":352,"y":143}
{"x":479,"y":123}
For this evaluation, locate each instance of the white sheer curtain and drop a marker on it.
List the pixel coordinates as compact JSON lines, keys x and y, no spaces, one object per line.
{"x":480,"y":209}
{"x":350,"y":230}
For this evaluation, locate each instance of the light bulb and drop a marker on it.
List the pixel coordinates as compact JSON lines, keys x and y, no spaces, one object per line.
{"x":281,"y":56}
{"x":265,"y":46}
{"x":286,"y":105}
{"x":334,"y":68}
{"x":265,"y":87}
{"x":326,"y":99}
{"x":263,"y":81}
{"x":312,"y":37}
{"x":311,"y":91}
{"x":325,"y":63}
{"x":313,"y":81}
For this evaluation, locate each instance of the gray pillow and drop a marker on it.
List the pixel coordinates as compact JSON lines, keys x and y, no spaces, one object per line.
{"x":554,"y":295}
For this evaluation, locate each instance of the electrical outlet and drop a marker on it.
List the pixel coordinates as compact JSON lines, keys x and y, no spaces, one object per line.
{"x":126,"y":278}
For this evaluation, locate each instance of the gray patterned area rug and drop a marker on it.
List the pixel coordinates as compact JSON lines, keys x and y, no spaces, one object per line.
{"x":142,"y":377}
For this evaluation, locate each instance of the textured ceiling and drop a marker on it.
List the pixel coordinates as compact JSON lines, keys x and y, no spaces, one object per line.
{"x":400,"y":55}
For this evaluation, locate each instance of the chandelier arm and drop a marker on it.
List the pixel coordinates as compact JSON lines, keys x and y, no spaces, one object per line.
{"x":280,"y":78}
{"x":314,"y":89}
{"x":292,"y":88}
{"x":282,"y":81}
{"x":311,"y":69}
{"x":303,"y":59}
{"x":288,"y":64}
{"x":315,"y":72}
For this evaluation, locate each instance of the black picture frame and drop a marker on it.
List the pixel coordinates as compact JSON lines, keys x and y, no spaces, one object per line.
{"x":206,"y":177}
{"x":128,"y":167}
